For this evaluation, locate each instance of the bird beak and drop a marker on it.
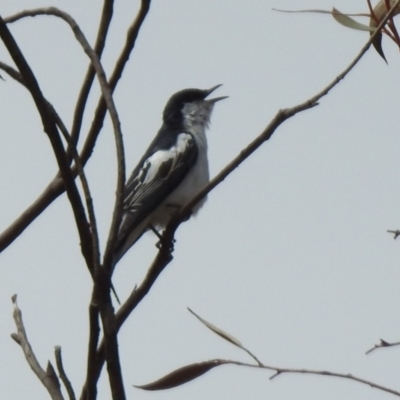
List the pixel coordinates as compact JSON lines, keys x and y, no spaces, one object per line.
{"x":213,"y":101}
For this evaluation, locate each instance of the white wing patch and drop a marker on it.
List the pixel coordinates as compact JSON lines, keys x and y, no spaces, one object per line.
{"x":156,"y":170}
{"x":154,"y":163}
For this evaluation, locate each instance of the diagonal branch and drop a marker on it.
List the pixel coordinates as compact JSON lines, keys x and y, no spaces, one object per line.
{"x":55,"y":140}
{"x":63,"y":375}
{"x":105,"y":21}
{"x":85,"y":184}
{"x":107,"y":96}
{"x":56,"y":187}
{"x":48,"y":378}
{"x":164,"y":256}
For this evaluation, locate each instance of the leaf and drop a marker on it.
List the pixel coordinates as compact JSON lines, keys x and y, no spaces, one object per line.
{"x":225,"y":336}
{"x":380,"y":11}
{"x":218,"y":331}
{"x":351,"y":23}
{"x":182,"y":375}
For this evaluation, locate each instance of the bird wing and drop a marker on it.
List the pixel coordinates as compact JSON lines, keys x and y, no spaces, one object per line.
{"x":156,"y":176}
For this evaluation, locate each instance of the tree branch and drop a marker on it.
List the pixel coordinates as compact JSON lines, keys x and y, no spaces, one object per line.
{"x":107,"y":96}
{"x":111,"y":349}
{"x":63,"y":375}
{"x":56,"y":187}
{"x":85,"y":184}
{"x":105,"y":21}
{"x":383,"y":343}
{"x":164,"y":256}
{"x":55,"y":140}
{"x":48,"y":378}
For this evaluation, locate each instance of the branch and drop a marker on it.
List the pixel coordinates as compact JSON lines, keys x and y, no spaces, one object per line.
{"x":383,"y":343}
{"x":107,"y":96}
{"x":89,"y":391}
{"x":280,"y":371}
{"x":95,"y":248}
{"x":48,"y":378}
{"x":164,"y":256}
{"x":55,"y":140}
{"x":105,"y":21}
{"x":85,"y":184}
{"x":395,"y":233}
{"x":56,"y":187}
{"x":279,"y":118}
{"x":190,"y":372}
{"x":63,"y":375}
{"x":111,"y":349}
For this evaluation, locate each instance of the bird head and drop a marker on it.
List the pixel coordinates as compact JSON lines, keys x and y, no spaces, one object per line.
{"x":190,"y":107}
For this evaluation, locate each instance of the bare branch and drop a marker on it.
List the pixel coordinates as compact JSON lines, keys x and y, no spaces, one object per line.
{"x":164,"y":256}
{"x":107,"y":95}
{"x":89,"y":391}
{"x":63,"y":375}
{"x":48,"y":378}
{"x":104,"y":25}
{"x":111,"y":349}
{"x":55,"y":140}
{"x":395,"y":233}
{"x":383,"y":343}
{"x":279,"y":118}
{"x":190,"y":372}
{"x":12,"y":72}
{"x":280,"y":371}
{"x":56,"y":187}
{"x":85,"y":184}
{"x":86,"y":191}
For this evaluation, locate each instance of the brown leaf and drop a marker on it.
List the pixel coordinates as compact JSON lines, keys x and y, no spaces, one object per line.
{"x":217,"y":330}
{"x":182,"y":375}
{"x":380,"y":11}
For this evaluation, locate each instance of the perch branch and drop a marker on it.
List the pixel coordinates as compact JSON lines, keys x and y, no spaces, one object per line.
{"x":164,"y":256}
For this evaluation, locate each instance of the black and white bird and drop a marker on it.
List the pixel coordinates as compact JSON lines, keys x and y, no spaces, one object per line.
{"x":172,"y":170}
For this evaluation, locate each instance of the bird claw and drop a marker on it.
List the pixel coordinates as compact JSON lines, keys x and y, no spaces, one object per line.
{"x":160,"y":244}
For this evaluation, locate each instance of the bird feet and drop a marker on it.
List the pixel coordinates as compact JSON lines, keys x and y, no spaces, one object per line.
{"x":161,"y":240}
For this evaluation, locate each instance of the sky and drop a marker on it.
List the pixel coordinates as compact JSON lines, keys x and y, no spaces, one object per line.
{"x":290,"y":254}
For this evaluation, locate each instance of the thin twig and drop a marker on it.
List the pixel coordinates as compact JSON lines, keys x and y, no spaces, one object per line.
{"x":48,"y":379}
{"x":105,"y":20}
{"x":383,"y":343}
{"x":63,"y":375}
{"x":396,"y":233}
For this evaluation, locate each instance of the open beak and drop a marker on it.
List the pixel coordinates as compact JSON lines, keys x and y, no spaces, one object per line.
{"x":212,"y":101}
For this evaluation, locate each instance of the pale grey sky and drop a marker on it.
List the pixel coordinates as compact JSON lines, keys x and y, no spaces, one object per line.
{"x":290,"y":253}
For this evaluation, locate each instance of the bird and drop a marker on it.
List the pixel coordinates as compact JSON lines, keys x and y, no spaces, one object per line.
{"x":172,"y":170}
